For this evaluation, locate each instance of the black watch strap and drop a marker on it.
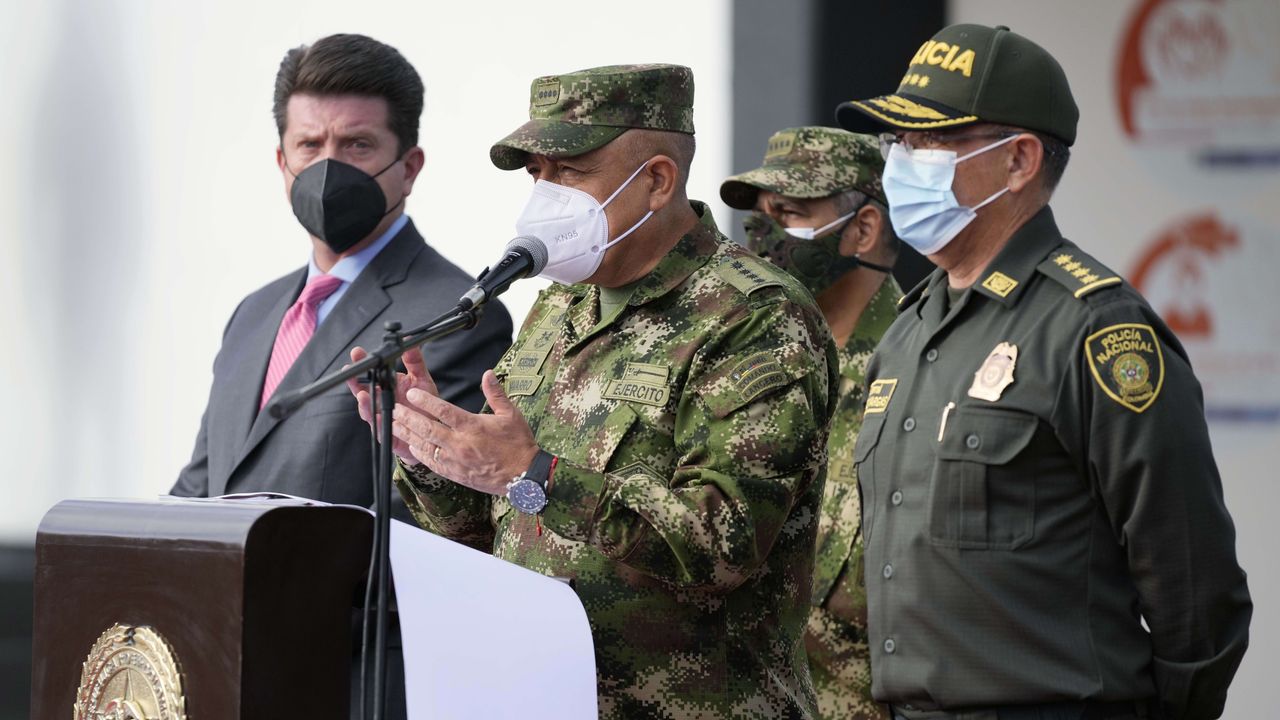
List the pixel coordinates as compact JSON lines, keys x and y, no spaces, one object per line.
{"x":540,"y":469}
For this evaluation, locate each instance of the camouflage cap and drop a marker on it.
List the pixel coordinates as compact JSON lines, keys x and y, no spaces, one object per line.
{"x":810,"y":162}
{"x":578,"y":112}
{"x":967,"y":74}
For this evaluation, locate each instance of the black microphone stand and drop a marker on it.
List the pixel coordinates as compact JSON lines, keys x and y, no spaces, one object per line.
{"x":379,"y":370}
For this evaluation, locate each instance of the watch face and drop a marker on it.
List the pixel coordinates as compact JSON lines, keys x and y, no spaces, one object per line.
{"x":527,"y":496}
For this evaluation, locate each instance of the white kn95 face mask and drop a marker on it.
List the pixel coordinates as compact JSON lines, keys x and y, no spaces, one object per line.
{"x":574,"y":228}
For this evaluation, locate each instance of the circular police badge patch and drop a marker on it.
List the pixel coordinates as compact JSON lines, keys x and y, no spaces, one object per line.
{"x":1127,"y":363}
{"x":1130,"y":372}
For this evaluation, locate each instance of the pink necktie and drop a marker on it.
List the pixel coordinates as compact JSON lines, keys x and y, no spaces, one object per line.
{"x":296,"y":329}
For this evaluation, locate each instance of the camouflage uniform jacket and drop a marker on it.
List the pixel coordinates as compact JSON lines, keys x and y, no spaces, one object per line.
{"x":836,"y":637}
{"x":691,"y":432}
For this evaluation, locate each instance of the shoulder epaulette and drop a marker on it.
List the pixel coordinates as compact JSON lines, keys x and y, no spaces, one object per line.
{"x":914,"y":294}
{"x":747,"y":274}
{"x":1079,"y":273}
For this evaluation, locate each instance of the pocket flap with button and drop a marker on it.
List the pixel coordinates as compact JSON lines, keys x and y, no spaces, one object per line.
{"x":868,"y":436}
{"x":987,"y":435}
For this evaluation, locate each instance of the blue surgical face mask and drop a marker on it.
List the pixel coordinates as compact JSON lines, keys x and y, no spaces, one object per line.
{"x":922,"y":206}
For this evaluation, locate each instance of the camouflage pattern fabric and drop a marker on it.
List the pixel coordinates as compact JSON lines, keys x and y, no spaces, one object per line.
{"x":580,"y":111}
{"x":836,"y":636}
{"x":691,"y":432}
{"x":810,"y":162}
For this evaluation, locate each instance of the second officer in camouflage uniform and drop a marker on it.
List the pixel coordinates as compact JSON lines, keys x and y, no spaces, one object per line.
{"x":678,"y":401}
{"x":820,"y":215}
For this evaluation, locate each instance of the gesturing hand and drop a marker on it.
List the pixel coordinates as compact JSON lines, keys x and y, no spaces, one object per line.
{"x":417,"y":378}
{"x":481,"y":451}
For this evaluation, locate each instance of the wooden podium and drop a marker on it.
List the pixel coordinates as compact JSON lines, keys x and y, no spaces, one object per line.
{"x":252,"y":600}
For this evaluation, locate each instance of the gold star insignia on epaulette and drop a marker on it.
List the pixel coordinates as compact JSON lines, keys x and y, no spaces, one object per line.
{"x":1062,"y":259}
{"x":1090,"y":278}
{"x":1080,"y":272}
{"x":1071,"y":266}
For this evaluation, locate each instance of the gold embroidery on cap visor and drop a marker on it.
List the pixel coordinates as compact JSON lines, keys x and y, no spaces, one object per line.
{"x":900,"y":112}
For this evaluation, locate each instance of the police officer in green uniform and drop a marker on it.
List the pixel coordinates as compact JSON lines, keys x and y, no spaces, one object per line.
{"x":819,"y":213}
{"x":657,"y":432}
{"x":1044,"y":522}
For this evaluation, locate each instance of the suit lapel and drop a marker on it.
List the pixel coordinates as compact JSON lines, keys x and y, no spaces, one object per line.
{"x":363,"y":302}
{"x":255,"y":353}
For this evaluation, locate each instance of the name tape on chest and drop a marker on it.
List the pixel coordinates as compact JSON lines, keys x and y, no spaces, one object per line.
{"x":879,"y":394}
{"x":640,"y":392}
{"x":1127,"y":363}
{"x":529,"y":357}
{"x":522,"y":385}
{"x":644,"y":383}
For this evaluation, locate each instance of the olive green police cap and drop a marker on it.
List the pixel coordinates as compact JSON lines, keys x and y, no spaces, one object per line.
{"x":810,"y":162}
{"x":972,"y":73}
{"x":578,"y":112}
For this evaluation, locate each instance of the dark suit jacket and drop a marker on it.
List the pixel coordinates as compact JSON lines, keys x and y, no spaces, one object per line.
{"x":322,"y":451}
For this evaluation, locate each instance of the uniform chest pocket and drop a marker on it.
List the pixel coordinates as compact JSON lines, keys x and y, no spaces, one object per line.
{"x":975,"y":500}
{"x":863,"y":458}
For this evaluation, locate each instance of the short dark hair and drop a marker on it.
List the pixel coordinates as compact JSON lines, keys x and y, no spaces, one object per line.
{"x":353,"y":65}
{"x":1056,"y":156}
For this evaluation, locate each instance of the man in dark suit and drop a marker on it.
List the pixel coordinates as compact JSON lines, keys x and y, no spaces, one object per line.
{"x":347,"y":110}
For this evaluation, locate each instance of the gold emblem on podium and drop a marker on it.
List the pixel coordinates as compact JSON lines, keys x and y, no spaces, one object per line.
{"x":131,"y":674}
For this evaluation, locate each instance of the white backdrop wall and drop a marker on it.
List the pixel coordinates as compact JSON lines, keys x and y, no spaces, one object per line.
{"x":140,"y":200}
{"x":1132,"y":196}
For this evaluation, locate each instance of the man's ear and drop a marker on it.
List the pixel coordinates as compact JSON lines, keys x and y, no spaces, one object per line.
{"x":1025,"y":158}
{"x":860,"y":235}
{"x":284,"y":170}
{"x":664,"y":176}
{"x":414,"y":160}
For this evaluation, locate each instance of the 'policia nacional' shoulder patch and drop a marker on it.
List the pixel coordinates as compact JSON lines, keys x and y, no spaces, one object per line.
{"x":1127,"y":363}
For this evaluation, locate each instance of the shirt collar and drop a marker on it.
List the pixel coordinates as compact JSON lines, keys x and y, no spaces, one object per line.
{"x":873,"y":323}
{"x":350,"y":267}
{"x":690,"y":253}
{"x":1008,"y":274}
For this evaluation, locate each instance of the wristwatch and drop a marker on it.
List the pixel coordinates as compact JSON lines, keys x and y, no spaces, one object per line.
{"x":528,"y":492}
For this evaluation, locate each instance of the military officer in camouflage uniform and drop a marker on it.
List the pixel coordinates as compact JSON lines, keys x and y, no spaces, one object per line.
{"x":820,"y":214}
{"x":1044,"y":521}
{"x":672,"y":411}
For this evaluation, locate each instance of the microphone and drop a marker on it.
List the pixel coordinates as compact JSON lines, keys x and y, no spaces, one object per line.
{"x":525,"y":256}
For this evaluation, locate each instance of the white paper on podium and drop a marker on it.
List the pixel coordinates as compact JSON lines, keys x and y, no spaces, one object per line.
{"x":484,"y":638}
